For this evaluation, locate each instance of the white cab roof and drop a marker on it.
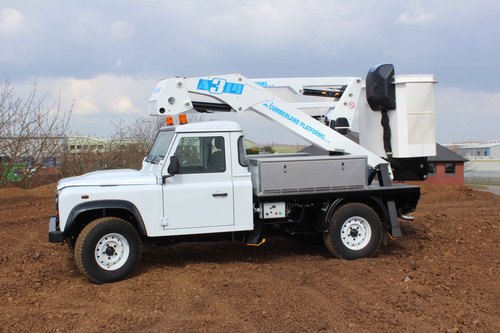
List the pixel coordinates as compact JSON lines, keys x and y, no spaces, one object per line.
{"x":210,"y":126}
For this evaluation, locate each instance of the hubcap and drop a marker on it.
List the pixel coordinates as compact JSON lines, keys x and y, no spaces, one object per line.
{"x":355,"y":233}
{"x":112,"y":251}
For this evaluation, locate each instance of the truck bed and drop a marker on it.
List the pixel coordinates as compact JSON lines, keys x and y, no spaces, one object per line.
{"x":405,"y":196}
{"x":277,"y":175}
{"x":276,"y":178}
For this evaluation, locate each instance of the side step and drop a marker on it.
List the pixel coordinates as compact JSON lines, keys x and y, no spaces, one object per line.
{"x":257,"y":244}
{"x":407,"y":217}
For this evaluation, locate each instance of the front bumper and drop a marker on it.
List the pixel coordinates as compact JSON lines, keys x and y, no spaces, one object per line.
{"x":55,"y":235}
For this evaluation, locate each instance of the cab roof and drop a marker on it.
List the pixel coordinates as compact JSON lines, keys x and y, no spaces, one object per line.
{"x":208,"y":126}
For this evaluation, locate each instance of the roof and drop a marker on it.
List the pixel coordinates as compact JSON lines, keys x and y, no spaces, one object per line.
{"x":478,"y":145}
{"x":210,"y":126}
{"x":443,"y":154}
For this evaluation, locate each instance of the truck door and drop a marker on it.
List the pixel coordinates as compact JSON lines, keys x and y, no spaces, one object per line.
{"x":201,"y":194}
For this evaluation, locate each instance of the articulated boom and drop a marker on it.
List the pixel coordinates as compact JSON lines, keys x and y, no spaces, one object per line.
{"x":295,"y":103}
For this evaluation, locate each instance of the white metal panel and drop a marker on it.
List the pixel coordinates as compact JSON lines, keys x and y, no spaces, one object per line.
{"x":147,"y":199}
{"x":412,"y":123}
{"x":109,"y":177}
{"x":189,"y":201}
{"x":242,"y":188}
{"x":243,"y":203}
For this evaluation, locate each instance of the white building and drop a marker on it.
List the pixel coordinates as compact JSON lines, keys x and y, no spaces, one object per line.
{"x":481,"y":151}
{"x":483,"y":166}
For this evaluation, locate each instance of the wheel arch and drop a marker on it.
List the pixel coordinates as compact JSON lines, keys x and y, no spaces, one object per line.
{"x":82,"y":214}
{"x":374,"y":202}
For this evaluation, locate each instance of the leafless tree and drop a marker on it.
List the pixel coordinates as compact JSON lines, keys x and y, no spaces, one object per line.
{"x":126,"y":148}
{"x":31,"y":133}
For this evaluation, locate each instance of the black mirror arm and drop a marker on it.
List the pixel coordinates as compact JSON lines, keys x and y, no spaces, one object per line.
{"x":173,"y":168}
{"x":164,"y":178}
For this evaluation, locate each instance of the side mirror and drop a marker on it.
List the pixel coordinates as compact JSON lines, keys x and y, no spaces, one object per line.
{"x":173,"y":168}
{"x":174,"y":165}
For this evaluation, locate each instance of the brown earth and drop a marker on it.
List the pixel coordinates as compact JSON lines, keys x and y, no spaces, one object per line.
{"x":442,"y":276}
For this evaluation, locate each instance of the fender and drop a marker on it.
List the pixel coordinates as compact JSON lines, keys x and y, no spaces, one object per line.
{"x":105,"y":204}
{"x":374,"y":202}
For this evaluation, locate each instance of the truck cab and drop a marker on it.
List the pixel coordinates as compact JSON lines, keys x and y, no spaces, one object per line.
{"x":205,"y":183}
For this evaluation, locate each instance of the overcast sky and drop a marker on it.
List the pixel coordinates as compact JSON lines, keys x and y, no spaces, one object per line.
{"x":108,"y":55}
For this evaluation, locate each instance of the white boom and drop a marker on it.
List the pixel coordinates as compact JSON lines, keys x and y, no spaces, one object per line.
{"x":296,"y":103}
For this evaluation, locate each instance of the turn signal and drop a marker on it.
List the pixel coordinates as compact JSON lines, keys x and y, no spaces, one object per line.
{"x":169,"y":121}
{"x":182,"y":119}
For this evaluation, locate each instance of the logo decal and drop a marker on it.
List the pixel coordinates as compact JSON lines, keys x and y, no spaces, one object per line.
{"x":220,"y":86}
{"x":295,"y":121}
{"x":263,"y":84}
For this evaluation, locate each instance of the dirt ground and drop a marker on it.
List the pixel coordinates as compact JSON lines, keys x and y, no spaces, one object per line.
{"x":442,"y":276}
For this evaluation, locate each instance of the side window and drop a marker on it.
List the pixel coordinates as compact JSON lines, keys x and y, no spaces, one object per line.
{"x":449,"y":168}
{"x":189,"y":153}
{"x":201,"y":154}
{"x":432,"y":169}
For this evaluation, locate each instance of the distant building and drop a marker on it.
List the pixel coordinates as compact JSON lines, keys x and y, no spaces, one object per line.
{"x":82,"y":144}
{"x":446,"y":167}
{"x":480,"y":151}
{"x":31,"y":151}
{"x":483,"y":166}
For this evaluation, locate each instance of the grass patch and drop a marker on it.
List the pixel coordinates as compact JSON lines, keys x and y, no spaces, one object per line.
{"x":286,"y":149}
{"x":477,"y":187}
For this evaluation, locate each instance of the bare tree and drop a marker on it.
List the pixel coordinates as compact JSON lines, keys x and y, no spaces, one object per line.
{"x":31,"y":133}
{"x":126,"y":148}
{"x":131,"y":142}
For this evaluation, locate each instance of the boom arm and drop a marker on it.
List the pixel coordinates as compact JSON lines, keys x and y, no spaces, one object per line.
{"x":234,"y":92}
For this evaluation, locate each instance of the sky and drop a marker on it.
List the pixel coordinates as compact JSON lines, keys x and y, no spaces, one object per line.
{"x":107,"y":56}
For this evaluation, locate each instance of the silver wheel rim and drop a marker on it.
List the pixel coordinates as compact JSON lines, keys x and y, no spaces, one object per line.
{"x":355,"y":233}
{"x":112,"y":251}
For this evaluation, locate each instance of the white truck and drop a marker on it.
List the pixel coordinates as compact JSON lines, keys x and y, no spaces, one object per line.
{"x":198,"y":184}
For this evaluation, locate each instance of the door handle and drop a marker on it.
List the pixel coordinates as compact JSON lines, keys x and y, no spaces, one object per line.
{"x":219,"y":195}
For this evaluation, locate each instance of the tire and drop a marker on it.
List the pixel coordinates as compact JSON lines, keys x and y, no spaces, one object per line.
{"x":108,"y":250}
{"x":354,"y":232}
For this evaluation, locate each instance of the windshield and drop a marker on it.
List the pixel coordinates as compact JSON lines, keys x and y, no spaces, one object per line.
{"x":160,"y":146}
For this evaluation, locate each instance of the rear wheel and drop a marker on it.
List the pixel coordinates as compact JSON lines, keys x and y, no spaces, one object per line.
{"x":354,"y":232}
{"x":108,"y":250}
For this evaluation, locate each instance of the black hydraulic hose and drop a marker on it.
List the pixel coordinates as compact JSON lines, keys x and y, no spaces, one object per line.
{"x":387,"y":133}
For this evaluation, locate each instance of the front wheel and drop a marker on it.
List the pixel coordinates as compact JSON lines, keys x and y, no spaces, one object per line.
{"x":354,"y":232}
{"x":108,"y":250}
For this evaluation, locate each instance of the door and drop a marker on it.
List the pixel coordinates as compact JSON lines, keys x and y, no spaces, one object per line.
{"x":201,"y":194}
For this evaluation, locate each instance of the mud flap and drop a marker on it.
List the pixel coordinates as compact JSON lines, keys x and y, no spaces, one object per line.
{"x":253,"y":238}
{"x":395,"y":229}
{"x":385,"y":180}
